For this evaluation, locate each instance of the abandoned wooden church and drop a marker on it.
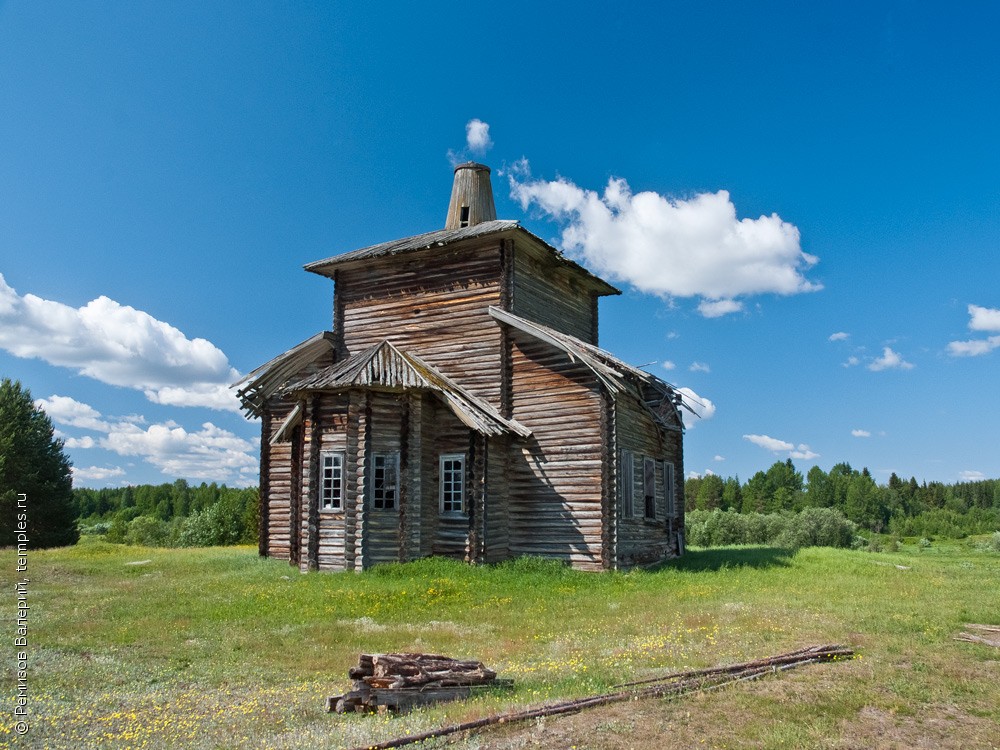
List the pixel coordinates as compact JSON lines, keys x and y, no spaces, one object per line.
{"x":460,"y":406}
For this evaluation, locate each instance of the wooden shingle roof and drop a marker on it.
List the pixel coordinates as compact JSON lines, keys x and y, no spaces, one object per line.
{"x":384,"y":366}
{"x":443,"y":237}
{"x":614,"y":374}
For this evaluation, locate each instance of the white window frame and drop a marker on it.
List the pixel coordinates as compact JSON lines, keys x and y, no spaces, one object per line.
{"x":670,"y":489}
{"x":649,"y":492}
{"x":331,"y":480}
{"x":627,"y":484}
{"x":389,"y":460}
{"x":454,"y":478}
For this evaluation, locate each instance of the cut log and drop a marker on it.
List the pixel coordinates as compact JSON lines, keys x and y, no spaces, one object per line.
{"x":397,"y":682}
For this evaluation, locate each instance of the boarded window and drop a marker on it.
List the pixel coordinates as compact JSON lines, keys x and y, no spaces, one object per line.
{"x":331,"y":483}
{"x":385,"y":481}
{"x":670,"y":489}
{"x":627,"y":485}
{"x":452,"y":493}
{"x":649,"y":486}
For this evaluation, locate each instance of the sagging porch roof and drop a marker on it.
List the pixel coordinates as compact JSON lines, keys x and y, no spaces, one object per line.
{"x":382,"y":366}
{"x":614,"y":374}
{"x":262,"y":383}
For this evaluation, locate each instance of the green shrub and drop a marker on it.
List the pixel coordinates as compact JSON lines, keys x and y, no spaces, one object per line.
{"x":812,"y":527}
{"x":98,"y":528}
{"x":216,"y":525}
{"x":147,"y":531}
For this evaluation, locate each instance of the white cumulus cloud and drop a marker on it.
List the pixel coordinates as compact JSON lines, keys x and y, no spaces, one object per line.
{"x":85,"y":442}
{"x":775,"y":445}
{"x":839,"y":336}
{"x":118,"y":345}
{"x":96,"y":473}
{"x":210,"y":453}
{"x":973,"y":347}
{"x":861,"y":433}
{"x":984,"y":318}
{"x":672,"y":247}
{"x":718,"y":308}
{"x":769,"y":443}
{"x":803,"y":452}
{"x":477,"y":136}
{"x":668,"y":365}
{"x":702,"y":407}
{"x":69,"y":411}
{"x":980,"y":319}
{"x":889,"y":360}
{"x":971,"y":476}
{"x":699,"y":367}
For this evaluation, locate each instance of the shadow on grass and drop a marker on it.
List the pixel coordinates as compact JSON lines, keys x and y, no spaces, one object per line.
{"x":717,"y":558}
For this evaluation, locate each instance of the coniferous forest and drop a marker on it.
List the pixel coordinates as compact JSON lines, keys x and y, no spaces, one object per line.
{"x":170,"y":515}
{"x":780,"y":505}
{"x":904,"y":508}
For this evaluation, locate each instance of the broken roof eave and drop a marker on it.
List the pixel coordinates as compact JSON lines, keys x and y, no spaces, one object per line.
{"x":611,"y":372}
{"x":263,"y":382}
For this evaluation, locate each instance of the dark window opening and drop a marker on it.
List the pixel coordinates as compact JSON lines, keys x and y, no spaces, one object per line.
{"x":385,"y":477}
{"x":464,"y":217}
{"x":649,"y":486}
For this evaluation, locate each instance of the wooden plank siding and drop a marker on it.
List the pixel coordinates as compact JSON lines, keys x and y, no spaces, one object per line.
{"x":448,"y":535}
{"x":383,"y":533}
{"x":331,"y":527}
{"x":436,"y":305}
{"x":642,"y":539}
{"x":547,"y":292}
{"x":496,"y":545}
{"x":556,"y":474}
{"x":278,"y":498}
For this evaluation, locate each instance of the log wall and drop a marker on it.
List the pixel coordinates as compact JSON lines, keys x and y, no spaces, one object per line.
{"x":447,"y":536}
{"x":276,"y":499}
{"x":549,"y":293}
{"x":642,"y":540}
{"x":383,"y":532}
{"x":435,"y":305}
{"x":556,"y":474}
{"x":331,"y":531}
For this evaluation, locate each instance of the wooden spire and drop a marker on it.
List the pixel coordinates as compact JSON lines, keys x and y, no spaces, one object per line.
{"x":471,"y":197}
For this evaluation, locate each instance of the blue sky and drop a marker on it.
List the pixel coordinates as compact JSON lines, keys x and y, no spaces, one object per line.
{"x":800,"y":204}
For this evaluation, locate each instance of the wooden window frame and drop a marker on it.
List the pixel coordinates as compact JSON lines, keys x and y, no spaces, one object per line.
{"x":670,"y":489}
{"x":649,"y":488}
{"x":332,"y":486}
{"x":627,"y":484}
{"x":379,"y":496}
{"x":457,"y":476}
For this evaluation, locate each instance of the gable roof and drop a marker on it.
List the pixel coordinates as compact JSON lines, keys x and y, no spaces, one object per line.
{"x":380,"y":366}
{"x":443,"y":237}
{"x":385,"y":366}
{"x":614,"y":374}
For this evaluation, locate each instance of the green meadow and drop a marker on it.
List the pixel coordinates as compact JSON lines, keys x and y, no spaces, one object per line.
{"x":133,"y":647}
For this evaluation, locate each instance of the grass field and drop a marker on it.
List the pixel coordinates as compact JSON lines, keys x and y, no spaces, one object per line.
{"x":215,"y":648}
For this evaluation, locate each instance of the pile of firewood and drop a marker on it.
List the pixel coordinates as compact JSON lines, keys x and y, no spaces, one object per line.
{"x":397,"y":682}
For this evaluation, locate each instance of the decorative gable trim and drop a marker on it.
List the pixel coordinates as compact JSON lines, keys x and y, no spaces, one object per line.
{"x":384,"y":366}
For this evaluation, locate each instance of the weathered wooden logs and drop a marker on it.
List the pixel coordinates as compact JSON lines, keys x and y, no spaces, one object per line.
{"x":400,"y":681}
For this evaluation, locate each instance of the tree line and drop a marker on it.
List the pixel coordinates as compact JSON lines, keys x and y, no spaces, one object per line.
{"x":901,"y":507}
{"x":169,"y":515}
